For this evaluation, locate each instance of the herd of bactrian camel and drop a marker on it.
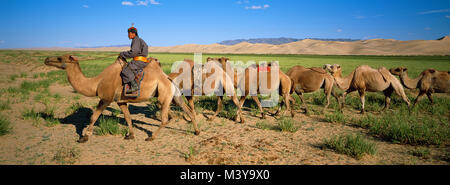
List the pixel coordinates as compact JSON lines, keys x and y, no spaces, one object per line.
{"x":108,"y":86}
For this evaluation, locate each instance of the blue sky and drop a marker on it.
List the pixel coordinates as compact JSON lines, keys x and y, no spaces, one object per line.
{"x":87,"y":23}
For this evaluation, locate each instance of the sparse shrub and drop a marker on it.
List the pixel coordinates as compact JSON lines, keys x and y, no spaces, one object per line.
{"x":353,"y":145}
{"x":4,"y":125}
{"x":67,"y":155}
{"x":109,"y":126}
{"x":286,"y":124}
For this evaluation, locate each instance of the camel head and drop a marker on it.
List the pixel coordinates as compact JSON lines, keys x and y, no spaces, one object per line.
{"x":398,"y":70}
{"x":61,"y":62}
{"x":333,"y":69}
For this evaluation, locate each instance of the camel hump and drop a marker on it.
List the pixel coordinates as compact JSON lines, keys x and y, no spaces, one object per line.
{"x":319,"y":70}
{"x":384,"y":73}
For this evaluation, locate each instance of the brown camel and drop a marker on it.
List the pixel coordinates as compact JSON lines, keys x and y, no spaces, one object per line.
{"x":284,"y":81}
{"x":216,"y":83}
{"x":307,"y":80}
{"x":365,"y":78}
{"x":284,"y":86}
{"x":429,"y":81}
{"x":108,"y":87}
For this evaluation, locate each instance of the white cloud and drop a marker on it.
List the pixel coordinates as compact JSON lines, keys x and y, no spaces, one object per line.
{"x":447,"y":16}
{"x":360,"y":17}
{"x":243,"y":2}
{"x":427,"y":28}
{"x":2,"y":41}
{"x":140,"y":3}
{"x":127,"y":3}
{"x":257,"y":7}
{"x":434,"y":11}
{"x":85,"y":6}
{"x":339,"y":30}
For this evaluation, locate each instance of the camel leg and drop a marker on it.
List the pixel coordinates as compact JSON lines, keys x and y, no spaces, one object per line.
{"x":287,"y":102}
{"x":421,"y":93}
{"x":255,"y":98}
{"x":219,"y":108}
{"x":399,"y":91}
{"x":100,"y":108}
{"x":303,"y":102}
{"x":190,"y":100}
{"x":333,"y":92}
{"x":430,"y":97}
{"x":126,"y":114}
{"x":387,"y":101}
{"x":164,"y":120}
{"x":327,"y":91}
{"x":362,"y":96}
{"x":238,"y":105}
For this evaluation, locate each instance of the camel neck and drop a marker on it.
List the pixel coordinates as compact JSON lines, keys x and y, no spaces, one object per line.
{"x":343,"y":83}
{"x":81,"y":84}
{"x":409,"y":82}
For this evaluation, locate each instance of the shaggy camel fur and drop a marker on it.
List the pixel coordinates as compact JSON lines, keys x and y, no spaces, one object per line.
{"x":108,"y":87}
{"x":429,"y":81}
{"x":365,"y":78}
{"x":307,"y":80}
{"x":217,"y":83}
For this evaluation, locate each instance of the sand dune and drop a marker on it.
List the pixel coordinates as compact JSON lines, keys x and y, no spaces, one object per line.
{"x":308,"y":46}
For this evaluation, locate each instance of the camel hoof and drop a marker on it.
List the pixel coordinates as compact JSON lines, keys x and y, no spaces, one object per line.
{"x":150,"y":139}
{"x":83,"y":139}
{"x":362,"y":112}
{"x":129,"y":137}
{"x":197,"y":133}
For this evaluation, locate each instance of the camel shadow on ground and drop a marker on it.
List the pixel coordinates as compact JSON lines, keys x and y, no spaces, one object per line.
{"x":80,"y":118}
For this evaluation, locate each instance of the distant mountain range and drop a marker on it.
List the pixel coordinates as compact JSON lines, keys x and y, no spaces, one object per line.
{"x":120,"y":45}
{"x":278,"y":41}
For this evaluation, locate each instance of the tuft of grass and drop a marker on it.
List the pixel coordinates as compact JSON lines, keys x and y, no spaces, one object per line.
{"x":286,"y":124}
{"x":109,"y":126}
{"x":422,"y":152}
{"x":73,"y":108}
{"x":265,"y":125}
{"x":33,"y":115}
{"x":5,"y":127}
{"x":13,"y":77}
{"x":4,"y":105}
{"x":67,"y":155}
{"x":50,"y":121}
{"x":190,"y":153}
{"x":23,"y":75}
{"x":404,"y":128}
{"x":353,"y":145}
{"x":336,"y":117}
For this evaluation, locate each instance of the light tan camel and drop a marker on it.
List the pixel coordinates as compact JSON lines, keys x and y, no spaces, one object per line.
{"x":307,"y":80}
{"x":108,"y":87}
{"x":365,"y":78}
{"x":429,"y":81}
{"x":217,"y":82}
